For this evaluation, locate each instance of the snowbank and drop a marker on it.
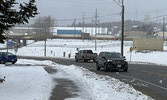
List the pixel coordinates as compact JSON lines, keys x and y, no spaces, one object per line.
{"x":24,"y":83}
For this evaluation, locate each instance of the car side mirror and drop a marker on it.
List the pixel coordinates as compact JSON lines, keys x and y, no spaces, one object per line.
{"x":124,"y":57}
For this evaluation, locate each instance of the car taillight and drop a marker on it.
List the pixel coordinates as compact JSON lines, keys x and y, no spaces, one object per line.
{"x":85,"y":54}
{"x":6,"y":57}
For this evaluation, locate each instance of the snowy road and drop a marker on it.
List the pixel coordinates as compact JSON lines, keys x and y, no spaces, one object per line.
{"x":149,"y":79}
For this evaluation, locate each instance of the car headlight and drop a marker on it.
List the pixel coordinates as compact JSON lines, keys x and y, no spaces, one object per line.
{"x":109,"y":60}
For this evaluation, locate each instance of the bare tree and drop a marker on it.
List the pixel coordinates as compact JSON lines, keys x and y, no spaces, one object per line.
{"x":44,"y":27}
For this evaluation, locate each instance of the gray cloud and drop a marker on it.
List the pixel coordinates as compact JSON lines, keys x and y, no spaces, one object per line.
{"x":65,"y":9}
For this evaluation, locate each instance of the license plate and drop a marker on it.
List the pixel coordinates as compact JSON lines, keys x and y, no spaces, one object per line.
{"x":118,"y":65}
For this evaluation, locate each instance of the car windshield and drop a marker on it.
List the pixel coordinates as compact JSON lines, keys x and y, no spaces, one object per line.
{"x":8,"y":53}
{"x":88,"y":51}
{"x":114,"y":55}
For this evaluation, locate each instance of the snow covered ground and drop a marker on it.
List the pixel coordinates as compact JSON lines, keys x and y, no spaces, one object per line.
{"x":24,"y":83}
{"x":34,"y":83}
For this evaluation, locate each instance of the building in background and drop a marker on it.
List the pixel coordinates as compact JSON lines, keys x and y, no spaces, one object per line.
{"x":69,"y":33}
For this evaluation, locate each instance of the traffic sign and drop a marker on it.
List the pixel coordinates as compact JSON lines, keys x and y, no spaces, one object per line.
{"x":131,"y":49}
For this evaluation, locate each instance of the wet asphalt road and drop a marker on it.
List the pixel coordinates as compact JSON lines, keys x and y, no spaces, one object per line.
{"x":149,"y":79}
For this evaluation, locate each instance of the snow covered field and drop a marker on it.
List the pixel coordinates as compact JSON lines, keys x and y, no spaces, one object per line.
{"x":34,"y":83}
{"x":55,"y":48}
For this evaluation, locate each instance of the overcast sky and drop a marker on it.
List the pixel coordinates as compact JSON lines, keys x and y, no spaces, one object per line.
{"x":67,"y":9}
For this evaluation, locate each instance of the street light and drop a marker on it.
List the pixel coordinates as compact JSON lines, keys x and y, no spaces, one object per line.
{"x":122,"y":30}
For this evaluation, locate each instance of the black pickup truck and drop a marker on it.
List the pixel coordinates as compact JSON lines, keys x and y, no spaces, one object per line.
{"x":85,"y":55}
{"x":111,"y":61}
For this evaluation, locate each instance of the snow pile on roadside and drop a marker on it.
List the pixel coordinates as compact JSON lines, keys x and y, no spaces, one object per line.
{"x":24,"y":83}
{"x":102,"y":87}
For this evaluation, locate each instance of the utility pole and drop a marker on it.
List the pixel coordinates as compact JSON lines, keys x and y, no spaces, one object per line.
{"x":98,"y":27}
{"x":83,"y":26}
{"x":45,"y":43}
{"x":75,"y":24}
{"x":92,"y":26}
{"x":163,"y":27}
{"x":157,"y":13}
{"x":95,"y":29}
{"x":122,"y":30}
{"x":136,"y":15}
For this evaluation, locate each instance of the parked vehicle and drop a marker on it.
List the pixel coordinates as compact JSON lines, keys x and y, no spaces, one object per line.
{"x":85,"y":55}
{"x":7,"y":57}
{"x":111,"y":61}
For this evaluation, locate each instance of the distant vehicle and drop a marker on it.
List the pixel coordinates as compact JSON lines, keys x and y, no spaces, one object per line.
{"x":85,"y":55}
{"x":7,"y":57}
{"x":111,"y":61}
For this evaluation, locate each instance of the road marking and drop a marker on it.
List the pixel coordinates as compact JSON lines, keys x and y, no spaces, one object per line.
{"x":143,"y":81}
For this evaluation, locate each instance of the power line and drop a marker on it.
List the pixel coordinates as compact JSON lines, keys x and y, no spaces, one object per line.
{"x":89,"y":17}
{"x":110,"y":14}
{"x":118,"y":13}
{"x":117,"y":3}
{"x":153,"y":18}
{"x":80,"y":19}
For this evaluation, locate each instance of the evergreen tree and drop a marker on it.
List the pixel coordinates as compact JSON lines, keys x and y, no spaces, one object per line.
{"x":9,"y":16}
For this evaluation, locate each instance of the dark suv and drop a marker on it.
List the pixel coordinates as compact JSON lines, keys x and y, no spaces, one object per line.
{"x":111,"y":61}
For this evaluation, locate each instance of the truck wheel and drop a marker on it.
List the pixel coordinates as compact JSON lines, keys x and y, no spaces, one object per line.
{"x":85,"y":60}
{"x":125,"y":70}
{"x":76,"y":60}
{"x":106,"y":67}
{"x":97,"y":66}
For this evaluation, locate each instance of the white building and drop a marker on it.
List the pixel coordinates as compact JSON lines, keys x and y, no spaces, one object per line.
{"x":90,"y":30}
